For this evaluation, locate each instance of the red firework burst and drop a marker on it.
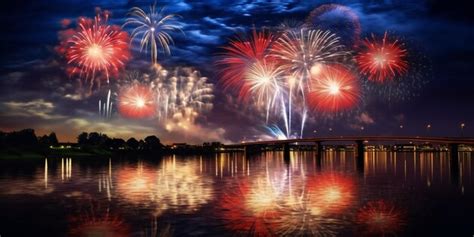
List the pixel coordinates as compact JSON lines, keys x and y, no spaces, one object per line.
{"x":332,"y":89}
{"x":94,"y":48}
{"x":241,"y":53}
{"x":382,"y":60}
{"x":136,"y":102}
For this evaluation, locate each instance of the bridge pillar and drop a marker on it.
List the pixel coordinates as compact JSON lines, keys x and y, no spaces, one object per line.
{"x":360,"y":155}
{"x":320,"y":149}
{"x":319,"y":155}
{"x":286,"y":152}
{"x":454,"y":163}
{"x":360,"y":149}
{"x":251,"y":150}
{"x":454,"y":150}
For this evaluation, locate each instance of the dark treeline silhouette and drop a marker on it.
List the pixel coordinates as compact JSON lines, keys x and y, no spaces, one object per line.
{"x":96,"y":143}
{"x":97,"y":140}
{"x":26,"y":138}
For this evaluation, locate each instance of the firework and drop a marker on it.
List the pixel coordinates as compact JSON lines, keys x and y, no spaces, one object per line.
{"x":136,"y":101}
{"x":176,"y":97}
{"x":333,"y":89}
{"x":241,"y":54}
{"x":153,"y":29}
{"x":95,"y":49}
{"x":264,"y":81}
{"x":382,"y":60}
{"x":182,"y":95}
{"x":339,"y":19}
{"x":298,"y":52}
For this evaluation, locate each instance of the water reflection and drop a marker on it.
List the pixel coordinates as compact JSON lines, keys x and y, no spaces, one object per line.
{"x":379,"y":218}
{"x":94,"y":221}
{"x":314,"y":209}
{"x":285,"y":200}
{"x":174,"y":184}
{"x":252,"y":205}
{"x":228,"y":193}
{"x":136,"y":183}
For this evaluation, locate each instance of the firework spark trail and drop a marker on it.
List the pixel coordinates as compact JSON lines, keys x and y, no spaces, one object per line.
{"x":275,"y":131}
{"x":153,"y":29}
{"x":95,"y":49}
{"x":109,"y":105}
{"x":382,"y":60}
{"x":105,"y":109}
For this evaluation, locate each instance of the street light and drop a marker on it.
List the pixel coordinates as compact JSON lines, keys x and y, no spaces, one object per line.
{"x":428,"y":127}
{"x":462,"y":128}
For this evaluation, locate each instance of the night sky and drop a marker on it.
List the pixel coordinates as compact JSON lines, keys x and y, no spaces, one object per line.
{"x":35,"y":91}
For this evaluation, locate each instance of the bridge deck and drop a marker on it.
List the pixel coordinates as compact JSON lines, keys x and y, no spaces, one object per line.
{"x":435,"y":140}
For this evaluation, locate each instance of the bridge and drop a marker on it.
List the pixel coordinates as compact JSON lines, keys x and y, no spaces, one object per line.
{"x":360,"y":141}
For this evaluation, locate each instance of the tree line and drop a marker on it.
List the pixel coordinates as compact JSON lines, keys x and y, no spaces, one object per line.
{"x":95,"y":139}
{"x":96,"y":143}
{"x":27,"y":138}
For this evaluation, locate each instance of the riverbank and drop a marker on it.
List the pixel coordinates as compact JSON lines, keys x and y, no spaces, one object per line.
{"x":16,"y":153}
